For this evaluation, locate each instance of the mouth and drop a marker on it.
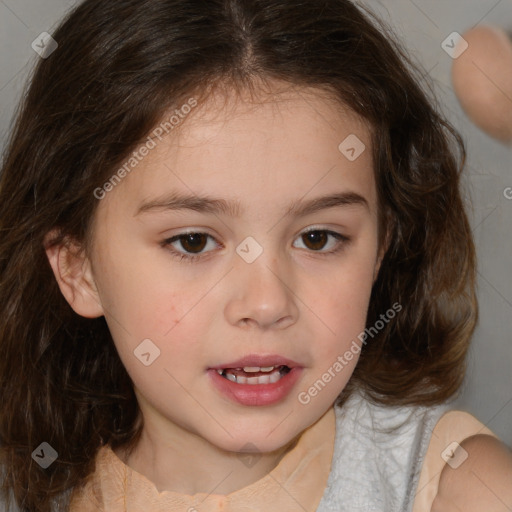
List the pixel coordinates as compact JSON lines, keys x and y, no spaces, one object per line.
{"x":256,"y":369}
{"x":254,"y":375}
{"x":256,"y":380}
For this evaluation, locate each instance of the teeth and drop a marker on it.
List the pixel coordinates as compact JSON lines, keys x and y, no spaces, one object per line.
{"x":262,"y":379}
{"x":254,"y":369}
{"x":230,"y":377}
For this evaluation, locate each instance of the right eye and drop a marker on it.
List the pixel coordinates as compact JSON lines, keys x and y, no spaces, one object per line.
{"x":191,"y":241}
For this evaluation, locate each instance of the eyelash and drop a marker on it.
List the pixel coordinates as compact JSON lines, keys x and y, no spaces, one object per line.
{"x":190,"y":258}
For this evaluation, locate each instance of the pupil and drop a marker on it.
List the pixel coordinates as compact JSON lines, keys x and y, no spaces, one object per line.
{"x":316,"y":236}
{"x":194,"y":242}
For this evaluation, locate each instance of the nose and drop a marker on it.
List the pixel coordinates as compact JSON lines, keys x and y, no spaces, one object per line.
{"x":261,"y":294}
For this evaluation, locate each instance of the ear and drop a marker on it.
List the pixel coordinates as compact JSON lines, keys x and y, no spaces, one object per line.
{"x":73,"y":272}
{"x":380,"y":256}
{"x":382,"y":251}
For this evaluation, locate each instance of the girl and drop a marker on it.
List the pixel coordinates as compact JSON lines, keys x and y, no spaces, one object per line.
{"x":236,"y":271}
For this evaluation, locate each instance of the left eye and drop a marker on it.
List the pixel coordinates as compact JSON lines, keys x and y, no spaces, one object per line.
{"x":195,"y":242}
{"x":318,"y":237}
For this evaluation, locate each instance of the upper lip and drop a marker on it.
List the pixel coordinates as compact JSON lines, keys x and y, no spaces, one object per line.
{"x":261,"y":361}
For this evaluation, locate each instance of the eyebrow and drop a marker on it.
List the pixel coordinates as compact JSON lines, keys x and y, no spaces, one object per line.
{"x":206,"y":204}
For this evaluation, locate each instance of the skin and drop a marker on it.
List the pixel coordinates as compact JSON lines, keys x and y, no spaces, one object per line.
{"x":293,"y":300}
{"x":481,"y":482}
{"x":482,"y":81}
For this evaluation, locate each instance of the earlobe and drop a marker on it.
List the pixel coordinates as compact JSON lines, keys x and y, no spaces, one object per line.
{"x":377,"y":267}
{"x":72,"y":270}
{"x":380,"y":257}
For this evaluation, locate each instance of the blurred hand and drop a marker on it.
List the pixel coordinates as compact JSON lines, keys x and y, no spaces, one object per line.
{"x":482,"y":80}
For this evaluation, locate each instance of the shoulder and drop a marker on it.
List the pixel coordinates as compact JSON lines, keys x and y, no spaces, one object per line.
{"x":480,"y":480}
{"x":452,"y":429}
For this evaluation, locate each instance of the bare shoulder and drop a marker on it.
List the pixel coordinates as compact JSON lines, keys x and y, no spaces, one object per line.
{"x":482,"y":481}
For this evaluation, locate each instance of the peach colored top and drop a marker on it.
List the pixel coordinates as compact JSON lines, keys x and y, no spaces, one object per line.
{"x":300,"y":477}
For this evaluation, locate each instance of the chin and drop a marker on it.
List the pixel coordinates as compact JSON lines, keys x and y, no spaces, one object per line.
{"x":257,"y":443}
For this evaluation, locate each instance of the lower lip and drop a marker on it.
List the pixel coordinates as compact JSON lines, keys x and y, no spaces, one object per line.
{"x":256,"y":394}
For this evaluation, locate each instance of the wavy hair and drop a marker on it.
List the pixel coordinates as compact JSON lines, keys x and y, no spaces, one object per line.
{"x":118,"y":68}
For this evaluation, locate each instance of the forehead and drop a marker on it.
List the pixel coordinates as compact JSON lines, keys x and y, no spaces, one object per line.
{"x":261,"y":151}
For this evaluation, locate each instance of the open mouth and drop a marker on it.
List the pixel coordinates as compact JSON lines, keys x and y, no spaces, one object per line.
{"x":254,"y":374}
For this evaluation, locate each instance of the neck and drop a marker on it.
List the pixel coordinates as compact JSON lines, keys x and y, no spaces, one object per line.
{"x":184,"y":463}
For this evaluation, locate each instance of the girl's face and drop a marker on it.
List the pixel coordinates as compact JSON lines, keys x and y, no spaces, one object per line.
{"x":250,"y":179}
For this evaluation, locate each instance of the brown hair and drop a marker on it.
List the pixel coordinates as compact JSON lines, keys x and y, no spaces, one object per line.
{"x":118,"y":67}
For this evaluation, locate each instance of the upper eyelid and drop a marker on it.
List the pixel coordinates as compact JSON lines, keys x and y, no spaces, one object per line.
{"x":199,"y":232}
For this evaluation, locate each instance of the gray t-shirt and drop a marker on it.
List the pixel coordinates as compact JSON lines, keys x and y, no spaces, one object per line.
{"x":378,"y":456}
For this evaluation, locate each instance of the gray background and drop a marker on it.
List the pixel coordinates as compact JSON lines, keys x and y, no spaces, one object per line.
{"x":422,"y":25}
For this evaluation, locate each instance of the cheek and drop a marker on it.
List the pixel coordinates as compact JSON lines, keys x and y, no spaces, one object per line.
{"x":342,"y":306}
{"x":135,"y":294}
{"x":162,"y":309}
{"x":350,"y":289}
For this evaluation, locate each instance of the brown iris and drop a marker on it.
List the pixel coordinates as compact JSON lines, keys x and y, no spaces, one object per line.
{"x":194,"y":242}
{"x":317,"y":238}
